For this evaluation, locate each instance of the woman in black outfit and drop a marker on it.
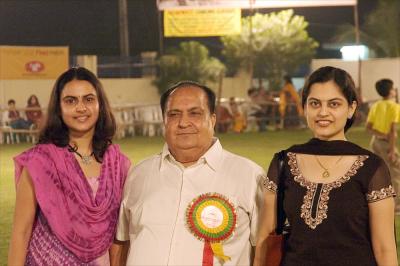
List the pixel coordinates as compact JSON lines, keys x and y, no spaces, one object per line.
{"x":338,"y":197}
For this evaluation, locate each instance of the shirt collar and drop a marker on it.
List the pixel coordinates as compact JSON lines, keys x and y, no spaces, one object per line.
{"x":212,"y":157}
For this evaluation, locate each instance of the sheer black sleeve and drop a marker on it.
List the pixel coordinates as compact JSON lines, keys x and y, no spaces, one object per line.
{"x":271,"y":180}
{"x":380,"y":186}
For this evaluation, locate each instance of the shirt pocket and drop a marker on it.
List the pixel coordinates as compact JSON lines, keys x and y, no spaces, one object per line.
{"x":158,"y":211}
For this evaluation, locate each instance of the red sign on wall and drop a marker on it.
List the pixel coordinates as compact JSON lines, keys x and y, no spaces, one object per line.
{"x":34,"y":66}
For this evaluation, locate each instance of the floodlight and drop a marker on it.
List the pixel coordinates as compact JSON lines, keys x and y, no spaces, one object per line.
{"x":354,"y":52}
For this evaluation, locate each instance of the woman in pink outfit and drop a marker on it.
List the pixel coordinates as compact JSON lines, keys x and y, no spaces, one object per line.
{"x":34,"y":116}
{"x":69,"y":185}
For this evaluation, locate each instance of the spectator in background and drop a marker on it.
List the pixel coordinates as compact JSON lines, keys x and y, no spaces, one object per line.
{"x":13,"y":117}
{"x":251,"y":109}
{"x":262,"y":115}
{"x":256,"y":110}
{"x":224,"y":118}
{"x":33,"y":116}
{"x":239,"y":120}
{"x":382,"y":124}
{"x":288,"y":100}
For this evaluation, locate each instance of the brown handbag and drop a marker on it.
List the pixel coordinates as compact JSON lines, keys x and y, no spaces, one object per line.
{"x":275,"y":241}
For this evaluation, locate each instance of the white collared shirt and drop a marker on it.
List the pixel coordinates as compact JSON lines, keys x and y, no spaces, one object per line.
{"x":158,"y":191}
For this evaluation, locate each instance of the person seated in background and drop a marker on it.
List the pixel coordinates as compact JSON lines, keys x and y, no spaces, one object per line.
{"x":13,"y":117}
{"x":239,"y":120}
{"x":253,"y":110}
{"x":270,"y":108}
{"x":289,"y":104}
{"x":33,"y":114}
{"x":224,"y":119}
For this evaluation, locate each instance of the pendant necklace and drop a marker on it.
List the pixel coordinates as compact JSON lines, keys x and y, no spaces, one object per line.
{"x":326,"y":173}
{"x":85,"y":159}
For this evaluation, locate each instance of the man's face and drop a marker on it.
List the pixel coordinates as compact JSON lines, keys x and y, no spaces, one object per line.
{"x":189,"y":126}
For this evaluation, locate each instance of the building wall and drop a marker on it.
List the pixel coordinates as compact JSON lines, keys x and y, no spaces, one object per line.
{"x":132,"y":91}
{"x":119,"y":91}
{"x":20,"y":90}
{"x":371,"y":71}
{"x":142,"y":91}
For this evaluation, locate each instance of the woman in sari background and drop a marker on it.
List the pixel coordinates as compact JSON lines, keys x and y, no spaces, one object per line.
{"x":69,"y":185}
{"x":338,"y":197}
{"x":290,"y":109}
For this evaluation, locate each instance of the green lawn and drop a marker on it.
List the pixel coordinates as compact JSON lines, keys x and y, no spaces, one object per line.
{"x":256,"y":146}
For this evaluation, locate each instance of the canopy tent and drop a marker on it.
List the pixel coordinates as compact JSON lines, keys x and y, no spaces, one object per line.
{"x":247,"y":4}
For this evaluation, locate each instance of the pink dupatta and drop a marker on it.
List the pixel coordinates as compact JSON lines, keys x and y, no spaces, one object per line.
{"x":84,"y":225}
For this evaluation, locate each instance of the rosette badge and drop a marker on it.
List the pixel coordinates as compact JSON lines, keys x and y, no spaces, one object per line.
{"x":211,"y":217}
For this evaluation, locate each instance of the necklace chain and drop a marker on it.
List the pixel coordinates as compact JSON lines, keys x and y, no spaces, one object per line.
{"x":85,"y":159}
{"x":326,"y":173}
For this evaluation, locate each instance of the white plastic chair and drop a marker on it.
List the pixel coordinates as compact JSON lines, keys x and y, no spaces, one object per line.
{"x":152,"y":120}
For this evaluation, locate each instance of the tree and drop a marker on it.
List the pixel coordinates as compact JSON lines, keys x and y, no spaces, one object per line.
{"x":190,"y":62}
{"x":270,"y":46}
{"x":380,"y":32}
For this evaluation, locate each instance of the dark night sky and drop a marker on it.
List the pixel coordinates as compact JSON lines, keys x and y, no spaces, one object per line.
{"x":91,"y":26}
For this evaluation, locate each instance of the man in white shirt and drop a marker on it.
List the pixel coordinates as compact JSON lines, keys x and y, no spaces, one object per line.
{"x":195,"y":203}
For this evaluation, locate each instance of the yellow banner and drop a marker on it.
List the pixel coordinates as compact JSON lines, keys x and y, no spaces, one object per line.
{"x":202,"y":22}
{"x":31,"y":62}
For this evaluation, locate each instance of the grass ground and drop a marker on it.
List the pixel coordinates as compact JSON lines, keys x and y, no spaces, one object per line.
{"x":256,"y":146}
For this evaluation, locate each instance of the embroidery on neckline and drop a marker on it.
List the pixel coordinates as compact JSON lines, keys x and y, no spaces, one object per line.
{"x":322,"y":202}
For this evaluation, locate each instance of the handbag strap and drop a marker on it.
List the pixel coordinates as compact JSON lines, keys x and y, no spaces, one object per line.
{"x":281,"y":216}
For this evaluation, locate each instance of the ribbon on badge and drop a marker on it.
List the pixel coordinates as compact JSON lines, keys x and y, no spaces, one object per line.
{"x":211,"y":218}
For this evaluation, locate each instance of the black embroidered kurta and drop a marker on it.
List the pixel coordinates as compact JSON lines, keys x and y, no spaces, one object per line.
{"x":330,"y":221}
